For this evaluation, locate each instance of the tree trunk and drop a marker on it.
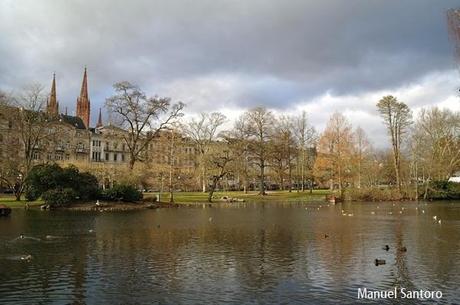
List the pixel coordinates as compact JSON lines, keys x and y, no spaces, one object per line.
{"x":212,"y":189}
{"x":132,"y":160}
{"x":203,"y":176}
{"x":262,"y":178}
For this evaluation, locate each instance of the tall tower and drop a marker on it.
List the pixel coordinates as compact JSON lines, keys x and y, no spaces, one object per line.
{"x":99,"y":120}
{"x":52,"y":106}
{"x":83,"y":103}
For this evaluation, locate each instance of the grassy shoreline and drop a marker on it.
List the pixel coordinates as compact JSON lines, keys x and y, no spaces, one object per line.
{"x":200,"y":197}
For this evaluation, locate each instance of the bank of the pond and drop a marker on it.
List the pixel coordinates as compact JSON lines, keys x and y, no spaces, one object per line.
{"x":115,"y":206}
{"x":200,"y":197}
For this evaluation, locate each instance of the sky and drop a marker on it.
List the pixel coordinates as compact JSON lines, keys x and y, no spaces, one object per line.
{"x":231,"y":55}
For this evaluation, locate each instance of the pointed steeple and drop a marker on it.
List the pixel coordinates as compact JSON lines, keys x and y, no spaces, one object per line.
{"x":84,"y":86}
{"x":99,"y":120}
{"x":83,"y":102}
{"x":53,"y":105}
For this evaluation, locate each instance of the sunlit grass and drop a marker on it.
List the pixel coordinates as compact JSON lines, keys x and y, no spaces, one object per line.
{"x":10,"y":201}
{"x":190,"y":197}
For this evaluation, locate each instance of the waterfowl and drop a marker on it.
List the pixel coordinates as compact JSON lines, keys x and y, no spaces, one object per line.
{"x":439,"y":221}
{"x":386,"y":248}
{"x":403,"y":249}
{"x":380,"y":262}
{"x":26,"y":257}
{"x":326,"y":236}
{"x":435,"y":217}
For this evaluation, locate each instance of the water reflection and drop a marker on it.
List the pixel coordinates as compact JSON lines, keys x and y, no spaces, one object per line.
{"x":256,"y":253}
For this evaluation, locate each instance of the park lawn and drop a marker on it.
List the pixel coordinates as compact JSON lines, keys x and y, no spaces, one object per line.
{"x":10,"y":201}
{"x":194,"y":197}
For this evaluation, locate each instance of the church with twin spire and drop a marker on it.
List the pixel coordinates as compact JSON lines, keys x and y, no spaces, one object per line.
{"x":83,"y":106}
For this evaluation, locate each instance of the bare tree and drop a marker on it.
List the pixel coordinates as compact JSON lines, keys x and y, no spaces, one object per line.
{"x":259,"y":126}
{"x":143,"y":117}
{"x":238,"y":143}
{"x":362,"y":149}
{"x":284,"y":151}
{"x":335,"y":151}
{"x":203,"y":132}
{"x":436,"y":141}
{"x":306,"y":139}
{"x":397,"y":117}
{"x":31,"y":129}
{"x":219,"y":160}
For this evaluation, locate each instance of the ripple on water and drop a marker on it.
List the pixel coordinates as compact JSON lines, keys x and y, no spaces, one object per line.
{"x":271,"y":254}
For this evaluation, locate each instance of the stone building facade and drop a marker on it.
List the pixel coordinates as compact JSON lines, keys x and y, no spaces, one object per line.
{"x":100,"y":149}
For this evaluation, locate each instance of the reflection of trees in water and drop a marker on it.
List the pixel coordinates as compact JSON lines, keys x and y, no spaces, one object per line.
{"x":55,"y":264}
{"x":402,"y":278}
{"x":251,"y":252}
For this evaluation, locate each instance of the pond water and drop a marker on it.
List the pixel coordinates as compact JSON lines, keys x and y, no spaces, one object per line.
{"x":260,"y":253}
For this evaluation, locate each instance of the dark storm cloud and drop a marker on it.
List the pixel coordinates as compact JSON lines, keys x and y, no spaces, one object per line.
{"x":281,"y":52}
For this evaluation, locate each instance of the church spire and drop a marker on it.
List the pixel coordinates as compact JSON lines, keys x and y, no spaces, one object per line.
{"x":83,"y":102}
{"x":99,"y":120}
{"x":84,"y":86}
{"x":53,"y":105}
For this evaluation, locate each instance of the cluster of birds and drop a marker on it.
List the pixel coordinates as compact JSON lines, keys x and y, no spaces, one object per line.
{"x":379,"y":261}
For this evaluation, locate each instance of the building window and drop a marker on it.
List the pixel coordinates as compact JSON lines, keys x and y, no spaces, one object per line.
{"x":36,"y":155}
{"x":106,"y":156}
{"x":115,"y":157}
{"x":122,"y":157}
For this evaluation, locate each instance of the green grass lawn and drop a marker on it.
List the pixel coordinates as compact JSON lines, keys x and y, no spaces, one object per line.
{"x":190,"y":197}
{"x":10,"y":200}
{"x":199,"y":197}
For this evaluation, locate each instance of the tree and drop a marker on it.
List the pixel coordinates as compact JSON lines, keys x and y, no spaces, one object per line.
{"x":219,"y":160}
{"x":259,"y":128}
{"x":362,"y":150}
{"x":30,"y":130}
{"x":238,"y":142}
{"x":436,"y":144}
{"x":335,"y":149}
{"x":283,"y":150}
{"x":306,"y":141}
{"x":143,"y":117}
{"x":397,"y":117}
{"x":203,"y":132}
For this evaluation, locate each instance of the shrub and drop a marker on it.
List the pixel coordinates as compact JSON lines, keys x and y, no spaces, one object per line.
{"x":444,"y":190}
{"x":375,"y":194}
{"x":59,"y":196}
{"x":31,"y":194}
{"x":121,"y":192}
{"x":51,"y":177}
